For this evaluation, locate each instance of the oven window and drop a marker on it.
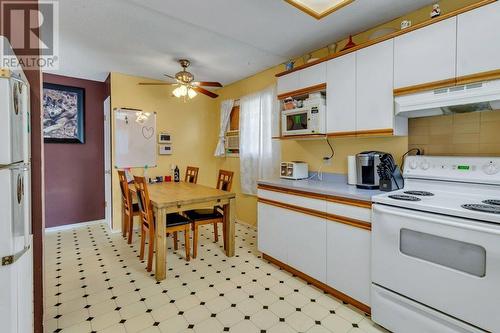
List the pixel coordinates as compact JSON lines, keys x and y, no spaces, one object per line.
{"x":465,"y":257}
{"x":295,"y":122}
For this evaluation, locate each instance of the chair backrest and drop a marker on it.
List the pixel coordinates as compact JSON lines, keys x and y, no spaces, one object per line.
{"x":191,"y":175}
{"x":225,"y":180}
{"x":126,"y":197}
{"x":144,"y":203}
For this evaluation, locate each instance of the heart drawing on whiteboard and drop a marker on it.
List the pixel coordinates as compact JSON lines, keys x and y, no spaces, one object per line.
{"x":148,"y":132}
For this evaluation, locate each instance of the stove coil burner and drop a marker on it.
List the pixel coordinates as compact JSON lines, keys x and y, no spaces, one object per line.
{"x":492,"y":202}
{"x":420,"y":193}
{"x":404,"y":197}
{"x":482,"y":208}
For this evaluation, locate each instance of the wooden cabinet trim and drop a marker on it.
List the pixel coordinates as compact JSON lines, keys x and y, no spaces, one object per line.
{"x":331,"y":198}
{"x":332,"y":291}
{"x":461,"y":80}
{"x":425,"y":87}
{"x":348,"y":221}
{"x":302,"y":210}
{"x":303,"y":91}
{"x":483,"y":76}
{"x":303,"y":136}
{"x":330,"y":217}
{"x":363,"y":133}
{"x":392,"y":35}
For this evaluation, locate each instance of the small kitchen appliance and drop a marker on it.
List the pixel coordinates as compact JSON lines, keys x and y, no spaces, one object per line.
{"x":366,"y":164}
{"x":309,"y":119}
{"x":294,"y":170}
{"x":436,"y":247}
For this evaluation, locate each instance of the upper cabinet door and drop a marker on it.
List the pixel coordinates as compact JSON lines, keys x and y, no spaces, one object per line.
{"x":289,"y":82}
{"x":426,"y":55}
{"x":374,"y":82}
{"x":478,"y":43}
{"x":312,"y":76}
{"x":341,"y":94}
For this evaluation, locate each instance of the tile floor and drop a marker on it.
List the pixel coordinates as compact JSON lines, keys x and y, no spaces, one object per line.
{"x":96,"y":283}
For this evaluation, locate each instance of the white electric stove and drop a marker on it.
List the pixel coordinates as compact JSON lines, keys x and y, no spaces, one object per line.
{"x":436,"y":247}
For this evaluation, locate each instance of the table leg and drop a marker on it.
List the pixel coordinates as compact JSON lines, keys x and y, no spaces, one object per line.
{"x":161,"y":249}
{"x":229,"y":221}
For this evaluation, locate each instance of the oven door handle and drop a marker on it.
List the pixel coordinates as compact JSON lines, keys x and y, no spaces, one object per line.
{"x":443,"y":221}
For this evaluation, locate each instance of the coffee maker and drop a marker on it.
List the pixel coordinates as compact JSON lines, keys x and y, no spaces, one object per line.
{"x":366,"y":166}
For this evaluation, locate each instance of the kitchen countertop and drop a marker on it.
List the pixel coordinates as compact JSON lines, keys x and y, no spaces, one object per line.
{"x":332,"y":184}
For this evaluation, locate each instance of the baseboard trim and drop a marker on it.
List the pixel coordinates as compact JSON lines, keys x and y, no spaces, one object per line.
{"x":74,"y":225}
{"x":318,"y":284}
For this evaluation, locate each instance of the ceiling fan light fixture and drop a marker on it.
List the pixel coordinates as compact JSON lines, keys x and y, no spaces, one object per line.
{"x":192,"y":93}
{"x":177,"y":92}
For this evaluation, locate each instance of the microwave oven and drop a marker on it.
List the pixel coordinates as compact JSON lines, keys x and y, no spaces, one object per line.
{"x":309,"y":119}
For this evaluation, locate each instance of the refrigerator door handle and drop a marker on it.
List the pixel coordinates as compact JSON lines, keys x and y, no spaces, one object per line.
{"x":9,"y":260}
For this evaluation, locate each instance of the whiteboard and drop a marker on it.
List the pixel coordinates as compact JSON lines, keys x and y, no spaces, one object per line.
{"x":135,"y":138}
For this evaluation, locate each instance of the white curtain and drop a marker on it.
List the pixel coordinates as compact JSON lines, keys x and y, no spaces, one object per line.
{"x":225,"y":115}
{"x":259,"y":153}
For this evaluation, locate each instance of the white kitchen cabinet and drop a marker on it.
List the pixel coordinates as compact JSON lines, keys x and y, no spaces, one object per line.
{"x":348,"y":260}
{"x":307,"y":245}
{"x":341,"y":94}
{"x":427,"y":54}
{"x":312,"y":76}
{"x":374,"y":87}
{"x":478,"y":40}
{"x":304,"y":78}
{"x":272,"y":231}
{"x":288,"y":82}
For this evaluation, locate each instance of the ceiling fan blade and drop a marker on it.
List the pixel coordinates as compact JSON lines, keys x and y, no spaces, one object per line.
{"x":205,"y":92}
{"x":170,"y":76}
{"x":207,"y":84}
{"x":155,"y":84}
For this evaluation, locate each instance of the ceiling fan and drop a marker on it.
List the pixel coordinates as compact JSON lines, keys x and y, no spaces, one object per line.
{"x":186,"y":86}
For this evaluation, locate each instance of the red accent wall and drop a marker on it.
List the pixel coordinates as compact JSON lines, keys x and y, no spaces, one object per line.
{"x":74,"y":173}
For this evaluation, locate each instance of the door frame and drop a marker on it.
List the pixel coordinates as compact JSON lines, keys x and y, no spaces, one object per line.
{"x":108,"y":191}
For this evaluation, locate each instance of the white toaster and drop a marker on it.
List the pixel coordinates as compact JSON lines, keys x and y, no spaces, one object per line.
{"x":294,"y":170}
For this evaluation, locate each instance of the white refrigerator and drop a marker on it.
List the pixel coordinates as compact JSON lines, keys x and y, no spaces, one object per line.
{"x":16,"y":267}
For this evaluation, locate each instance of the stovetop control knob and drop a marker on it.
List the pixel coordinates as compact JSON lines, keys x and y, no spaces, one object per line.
{"x":491,"y":168}
{"x":424,"y":165}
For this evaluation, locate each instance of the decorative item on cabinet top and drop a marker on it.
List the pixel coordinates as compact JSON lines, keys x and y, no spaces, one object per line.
{"x":391,"y":35}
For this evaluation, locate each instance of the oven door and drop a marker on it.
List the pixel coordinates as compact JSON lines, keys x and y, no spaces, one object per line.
{"x":449,"y":264}
{"x":296,"y":122}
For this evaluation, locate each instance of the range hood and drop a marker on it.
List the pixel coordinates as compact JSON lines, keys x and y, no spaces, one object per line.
{"x":480,"y":96}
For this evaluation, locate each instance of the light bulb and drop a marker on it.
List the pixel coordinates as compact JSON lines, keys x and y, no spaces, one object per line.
{"x":183,"y":90}
{"x":192,"y":93}
{"x":177,"y":92}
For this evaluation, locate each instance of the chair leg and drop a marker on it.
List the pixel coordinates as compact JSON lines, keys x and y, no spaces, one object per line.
{"x":150,"y":253}
{"x":216,"y":232}
{"x":124,"y":223}
{"x":130,"y":228}
{"x":224,"y":232}
{"x":186,"y":242}
{"x":176,"y":245}
{"x":143,"y":241}
{"x":195,"y":239}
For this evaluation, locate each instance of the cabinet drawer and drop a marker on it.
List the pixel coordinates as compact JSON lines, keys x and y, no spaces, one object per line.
{"x":318,"y":205}
{"x":349,"y":211}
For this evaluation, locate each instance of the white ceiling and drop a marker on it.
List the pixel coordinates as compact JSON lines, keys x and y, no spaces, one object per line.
{"x":226,"y":40}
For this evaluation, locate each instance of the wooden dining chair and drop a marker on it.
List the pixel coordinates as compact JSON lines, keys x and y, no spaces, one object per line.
{"x":175,"y":223}
{"x":129,"y":208}
{"x":212,"y":215}
{"x":191,"y":175}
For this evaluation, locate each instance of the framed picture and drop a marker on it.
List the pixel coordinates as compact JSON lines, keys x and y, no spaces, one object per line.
{"x":63,"y":114}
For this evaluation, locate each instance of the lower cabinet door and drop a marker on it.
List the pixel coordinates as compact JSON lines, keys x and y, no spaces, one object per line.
{"x":348,"y":260}
{"x":307,"y":245}
{"x":272,"y":231}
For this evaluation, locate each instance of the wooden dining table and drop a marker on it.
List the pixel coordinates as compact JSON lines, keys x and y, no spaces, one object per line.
{"x":171,"y":197}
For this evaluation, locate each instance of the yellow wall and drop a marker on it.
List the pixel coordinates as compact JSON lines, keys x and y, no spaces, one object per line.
{"x":313,"y":151}
{"x":193,"y":125}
